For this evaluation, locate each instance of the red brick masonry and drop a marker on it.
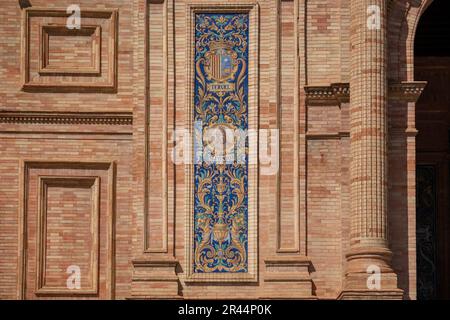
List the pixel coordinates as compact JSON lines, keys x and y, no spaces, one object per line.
{"x":87,"y":119}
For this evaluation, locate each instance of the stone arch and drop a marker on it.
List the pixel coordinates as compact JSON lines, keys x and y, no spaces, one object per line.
{"x":403,"y":19}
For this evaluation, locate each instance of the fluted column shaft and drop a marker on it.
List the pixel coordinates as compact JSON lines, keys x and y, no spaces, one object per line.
{"x":369,"y":252}
{"x":368,"y":124}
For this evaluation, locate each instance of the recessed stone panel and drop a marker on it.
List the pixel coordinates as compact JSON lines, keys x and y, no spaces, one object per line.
{"x":68,"y":217}
{"x":70,"y":51}
{"x":67,"y":230}
{"x":57,"y":58}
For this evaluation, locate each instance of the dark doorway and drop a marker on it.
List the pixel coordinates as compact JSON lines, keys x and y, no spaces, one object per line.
{"x":432,"y":64}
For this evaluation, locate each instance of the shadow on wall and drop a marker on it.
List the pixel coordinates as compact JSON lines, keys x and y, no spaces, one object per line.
{"x":432,"y":38}
{"x":403,"y":16}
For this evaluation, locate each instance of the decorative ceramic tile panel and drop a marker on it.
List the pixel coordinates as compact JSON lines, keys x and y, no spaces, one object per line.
{"x":221,"y":180}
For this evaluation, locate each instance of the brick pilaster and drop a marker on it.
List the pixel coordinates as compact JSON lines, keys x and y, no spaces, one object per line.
{"x":154,"y":265}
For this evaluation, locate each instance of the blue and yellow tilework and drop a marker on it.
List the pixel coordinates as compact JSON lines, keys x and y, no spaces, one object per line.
{"x":221,"y":101}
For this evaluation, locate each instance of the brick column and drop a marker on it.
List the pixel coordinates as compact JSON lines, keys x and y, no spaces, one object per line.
{"x":368,"y":99}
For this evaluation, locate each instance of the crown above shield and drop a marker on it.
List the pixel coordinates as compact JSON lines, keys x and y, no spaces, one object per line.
{"x":221,"y":44}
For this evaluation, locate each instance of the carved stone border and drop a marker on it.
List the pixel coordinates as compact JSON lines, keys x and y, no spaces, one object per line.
{"x":24,"y":168}
{"x":27,"y":117}
{"x":251,"y":8}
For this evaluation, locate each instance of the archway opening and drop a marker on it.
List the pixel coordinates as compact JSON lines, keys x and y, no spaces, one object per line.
{"x":432,"y":64}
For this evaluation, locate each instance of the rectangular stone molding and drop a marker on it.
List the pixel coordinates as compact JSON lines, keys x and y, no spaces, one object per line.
{"x":79,"y":209}
{"x":66,"y":243}
{"x":156,"y":211}
{"x":70,"y":51}
{"x":57,"y":58}
{"x":252,"y":9}
{"x":288,"y":220}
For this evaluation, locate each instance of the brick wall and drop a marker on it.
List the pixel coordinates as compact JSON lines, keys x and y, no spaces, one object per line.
{"x":127,"y":117}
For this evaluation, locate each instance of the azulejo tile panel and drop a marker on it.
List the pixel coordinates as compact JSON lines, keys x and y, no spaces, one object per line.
{"x":221,"y":182}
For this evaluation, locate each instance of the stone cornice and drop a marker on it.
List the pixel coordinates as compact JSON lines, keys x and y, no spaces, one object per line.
{"x":338,"y":93}
{"x":407,"y":91}
{"x":58,"y":118}
{"x":335,"y":93}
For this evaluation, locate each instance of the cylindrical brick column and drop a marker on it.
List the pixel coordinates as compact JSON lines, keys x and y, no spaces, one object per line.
{"x":368,"y":170}
{"x":368,"y":123}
